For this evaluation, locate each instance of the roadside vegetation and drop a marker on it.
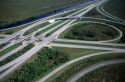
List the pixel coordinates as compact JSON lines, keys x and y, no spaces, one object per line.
{"x":94,"y":13}
{"x":122,"y":28}
{"x":2,"y":45}
{"x":115,"y":9}
{"x":45,"y":61}
{"x":91,"y":32}
{"x":76,"y":52}
{"x":87,"y":44}
{"x":84,"y":63}
{"x":52,"y":31}
{"x":113,"y":73}
{"x":14,"y":56}
{"x":36,"y":28}
{"x":13,"y":11}
{"x":5,"y":51}
{"x":49,"y":28}
{"x":2,"y":37}
{"x":11,"y":31}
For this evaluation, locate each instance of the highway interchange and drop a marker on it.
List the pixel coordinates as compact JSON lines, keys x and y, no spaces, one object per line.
{"x":107,"y":46}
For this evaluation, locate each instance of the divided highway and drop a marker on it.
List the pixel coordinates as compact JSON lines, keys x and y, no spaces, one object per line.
{"x":56,"y":28}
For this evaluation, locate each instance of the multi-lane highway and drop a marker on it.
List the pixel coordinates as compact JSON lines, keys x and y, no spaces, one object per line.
{"x":35,"y":49}
{"x":36,"y":23}
{"x":56,"y":28}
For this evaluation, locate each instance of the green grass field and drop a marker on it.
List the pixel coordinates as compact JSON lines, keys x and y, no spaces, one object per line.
{"x":116,"y":8}
{"x":73,"y":69}
{"x":87,"y":44}
{"x":11,"y":31}
{"x":75,"y":53}
{"x":16,"y":55}
{"x":113,"y":73}
{"x":5,"y":51}
{"x":36,"y":28}
{"x":41,"y":65}
{"x":90,"y":32}
{"x":1,"y":37}
{"x":15,"y":10}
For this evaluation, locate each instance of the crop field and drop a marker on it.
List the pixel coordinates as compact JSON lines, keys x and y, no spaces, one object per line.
{"x":15,"y":10}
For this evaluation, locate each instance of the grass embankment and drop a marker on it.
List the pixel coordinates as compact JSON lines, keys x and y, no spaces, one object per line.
{"x":113,"y":73}
{"x":83,"y":63}
{"x":5,"y":51}
{"x":46,"y":60}
{"x":11,"y":31}
{"x":91,"y":32}
{"x":14,"y":56}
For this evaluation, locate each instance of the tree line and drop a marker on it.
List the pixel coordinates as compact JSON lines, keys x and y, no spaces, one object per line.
{"x":46,"y":60}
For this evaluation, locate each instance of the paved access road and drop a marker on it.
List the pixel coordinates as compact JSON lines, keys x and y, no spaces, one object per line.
{"x":88,"y":69}
{"x":58,"y":29}
{"x":18,"y":61}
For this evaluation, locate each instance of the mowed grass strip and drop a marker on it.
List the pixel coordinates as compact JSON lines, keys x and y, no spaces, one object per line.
{"x":88,"y":44}
{"x":18,"y":28}
{"x":75,"y":52}
{"x":49,"y":28}
{"x":36,"y":28}
{"x":5,"y":51}
{"x":16,"y":55}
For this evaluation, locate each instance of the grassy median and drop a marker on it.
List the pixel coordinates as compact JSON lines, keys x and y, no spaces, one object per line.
{"x":5,"y":51}
{"x":14,"y":56}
